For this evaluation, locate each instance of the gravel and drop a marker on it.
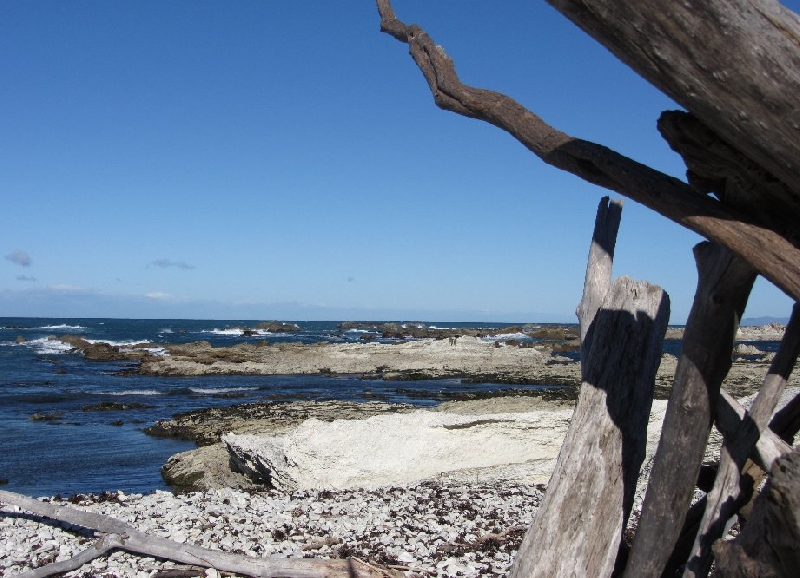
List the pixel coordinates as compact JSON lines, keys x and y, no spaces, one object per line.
{"x":428,"y":529}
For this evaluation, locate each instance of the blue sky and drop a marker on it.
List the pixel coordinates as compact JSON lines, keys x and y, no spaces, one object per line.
{"x":285,"y":160}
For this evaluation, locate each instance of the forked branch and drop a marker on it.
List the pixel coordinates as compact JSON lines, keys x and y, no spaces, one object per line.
{"x":768,"y":252}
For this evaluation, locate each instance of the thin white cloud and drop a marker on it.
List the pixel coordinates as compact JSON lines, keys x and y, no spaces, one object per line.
{"x":158,"y":295}
{"x":20,"y":258}
{"x":26,"y":278}
{"x":67,"y":288}
{"x":168,"y":263}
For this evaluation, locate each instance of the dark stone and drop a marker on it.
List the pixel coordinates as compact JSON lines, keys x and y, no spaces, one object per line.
{"x":53,"y":416}
{"x":278,"y":327}
{"x":114,"y":406}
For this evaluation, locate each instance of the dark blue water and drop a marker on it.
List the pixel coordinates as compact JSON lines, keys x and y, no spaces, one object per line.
{"x":74,"y":450}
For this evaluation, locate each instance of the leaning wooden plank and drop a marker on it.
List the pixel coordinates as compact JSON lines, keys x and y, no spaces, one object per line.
{"x":731,"y":491}
{"x":578,"y":529}
{"x":733,"y":421}
{"x":134,"y":541}
{"x":724,"y":283}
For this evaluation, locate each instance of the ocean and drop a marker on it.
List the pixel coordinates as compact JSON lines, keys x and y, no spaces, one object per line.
{"x":54,"y":439}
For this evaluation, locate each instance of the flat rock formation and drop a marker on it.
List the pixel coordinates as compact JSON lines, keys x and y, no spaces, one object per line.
{"x":409,"y":360}
{"x":401,"y":449}
{"x":470,"y":358}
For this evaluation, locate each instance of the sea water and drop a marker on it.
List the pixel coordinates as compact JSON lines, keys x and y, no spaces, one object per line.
{"x":51,"y":442}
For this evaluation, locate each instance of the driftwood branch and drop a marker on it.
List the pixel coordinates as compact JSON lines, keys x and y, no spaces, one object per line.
{"x":578,"y":528}
{"x":734,"y":64}
{"x":724,"y":283}
{"x":770,"y":253}
{"x":126,"y":537}
{"x":731,"y":490}
{"x":734,"y":423}
{"x":101,"y":547}
{"x":786,"y":423}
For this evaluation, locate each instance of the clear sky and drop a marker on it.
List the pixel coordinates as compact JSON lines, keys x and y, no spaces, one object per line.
{"x":285,"y":160}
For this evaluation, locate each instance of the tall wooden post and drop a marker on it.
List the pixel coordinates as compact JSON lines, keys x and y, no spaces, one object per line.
{"x":578,"y":529}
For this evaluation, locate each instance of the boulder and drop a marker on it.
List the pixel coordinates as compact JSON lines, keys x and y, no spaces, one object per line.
{"x":203,"y":469}
{"x":278,"y":327}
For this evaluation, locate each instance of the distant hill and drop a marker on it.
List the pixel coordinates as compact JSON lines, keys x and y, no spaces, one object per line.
{"x":764,"y":320}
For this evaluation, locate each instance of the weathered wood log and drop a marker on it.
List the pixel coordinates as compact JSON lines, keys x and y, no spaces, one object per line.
{"x":578,"y":528}
{"x":767,"y":546}
{"x":715,"y":167}
{"x":786,"y":423}
{"x":731,"y":490}
{"x":735,"y":64}
{"x":122,"y":536}
{"x":599,"y":268}
{"x":724,"y":283}
{"x":734,"y":423}
{"x":770,"y":253}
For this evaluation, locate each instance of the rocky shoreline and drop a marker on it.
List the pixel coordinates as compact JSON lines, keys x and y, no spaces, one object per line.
{"x":465,"y":522}
{"x":433,"y":354}
{"x":445,"y":526}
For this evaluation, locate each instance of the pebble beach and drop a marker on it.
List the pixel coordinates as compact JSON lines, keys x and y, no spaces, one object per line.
{"x":428,"y":529}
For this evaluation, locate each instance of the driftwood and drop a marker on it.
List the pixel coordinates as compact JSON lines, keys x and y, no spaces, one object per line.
{"x":767,"y":251}
{"x":734,"y":64}
{"x":735,"y":424}
{"x":578,"y":528}
{"x":599,"y":267}
{"x":723,"y":286}
{"x":118,"y":535}
{"x":767,"y":547}
{"x":732,"y":491}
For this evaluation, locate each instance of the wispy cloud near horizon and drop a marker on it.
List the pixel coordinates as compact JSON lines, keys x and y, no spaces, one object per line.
{"x":20,"y":258}
{"x":26,"y":278}
{"x":169,"y":264}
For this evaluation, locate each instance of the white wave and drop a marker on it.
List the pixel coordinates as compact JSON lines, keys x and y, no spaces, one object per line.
{"x":48,"y":346}
{"x":62,"y":327}
{"x":153,"y":350}
{"x":126,"y":343}
{"x":506,"y":337}
{"x":217,"y":390}
{"x":134,"y":392}
{"x":165,"y":330}
{"x":229,"y":331}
